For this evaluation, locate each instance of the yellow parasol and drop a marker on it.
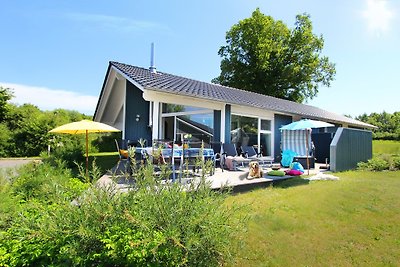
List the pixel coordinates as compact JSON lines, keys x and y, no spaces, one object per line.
{"x":85,"y":127}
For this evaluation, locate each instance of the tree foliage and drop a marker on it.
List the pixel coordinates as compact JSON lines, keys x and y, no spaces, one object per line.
{"x":388,"y":124}
{"x":5,"y":96}
{"x":263,"y":55}
{"x":24,"y":128}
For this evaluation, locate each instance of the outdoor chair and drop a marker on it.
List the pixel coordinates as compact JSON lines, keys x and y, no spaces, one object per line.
{"x":123,"y":165}
{"x":217,"y":148}
{"x":250,"y":153}
{"x":189,"y":158}
{"x":231,"y":157}
{"x":163,"y":154}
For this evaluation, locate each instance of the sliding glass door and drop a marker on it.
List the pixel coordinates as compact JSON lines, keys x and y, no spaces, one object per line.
{"x":252,"y":131}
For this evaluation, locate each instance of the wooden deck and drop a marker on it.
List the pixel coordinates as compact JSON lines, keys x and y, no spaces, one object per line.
{"x":235,"y":179}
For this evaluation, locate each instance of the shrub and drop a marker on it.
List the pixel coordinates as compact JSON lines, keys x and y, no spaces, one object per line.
{"x":374,"y":164}
{"x":395,"y":163}
{"x":69,"y":151}
{"x":154,"y":224}
{"x":46,"y":183}
{"x":7,"y":201}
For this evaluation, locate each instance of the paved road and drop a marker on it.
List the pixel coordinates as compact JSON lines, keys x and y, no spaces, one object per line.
{"x":13,"y":163}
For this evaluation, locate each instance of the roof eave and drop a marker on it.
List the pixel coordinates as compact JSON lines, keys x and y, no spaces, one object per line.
{"x":102,"y":90}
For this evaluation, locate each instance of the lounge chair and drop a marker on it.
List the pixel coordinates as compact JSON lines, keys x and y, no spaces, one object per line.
{"x":250,"y":153}
{"x":231,"y":157}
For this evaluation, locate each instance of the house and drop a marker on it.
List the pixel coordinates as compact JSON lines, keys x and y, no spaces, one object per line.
{"x":149,"y":104}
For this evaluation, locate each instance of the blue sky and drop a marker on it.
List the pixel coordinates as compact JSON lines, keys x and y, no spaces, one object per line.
{"x":54,"y":54}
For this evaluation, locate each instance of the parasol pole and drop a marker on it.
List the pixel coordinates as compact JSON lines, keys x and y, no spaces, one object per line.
{"x":87,"y":154}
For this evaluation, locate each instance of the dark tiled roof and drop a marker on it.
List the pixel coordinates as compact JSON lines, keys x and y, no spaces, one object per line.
{"x":165,"y":82}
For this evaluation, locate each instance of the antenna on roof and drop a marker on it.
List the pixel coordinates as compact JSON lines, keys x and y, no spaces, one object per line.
{"x":152,"y":68}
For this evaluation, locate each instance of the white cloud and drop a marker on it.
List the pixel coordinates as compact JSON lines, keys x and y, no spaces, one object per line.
{"x":50,"y":99}
{"x":119,"y":24}
{"x":378,"y":16}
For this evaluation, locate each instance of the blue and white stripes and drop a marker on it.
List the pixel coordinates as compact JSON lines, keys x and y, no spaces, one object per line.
{"x":295,"y":140}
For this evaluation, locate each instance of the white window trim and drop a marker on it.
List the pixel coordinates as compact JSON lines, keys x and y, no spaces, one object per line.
{"x":259,"y":118}
{"x":222,"y":126}
{"x":156,"y":120}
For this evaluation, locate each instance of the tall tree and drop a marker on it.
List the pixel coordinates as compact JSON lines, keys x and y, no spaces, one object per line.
{"x":265,"y":56}
{"x":388,"y":124}
{"x":5,"y":95}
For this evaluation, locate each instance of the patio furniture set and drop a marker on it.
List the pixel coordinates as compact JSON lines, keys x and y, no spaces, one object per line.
{"x":186,"y":156}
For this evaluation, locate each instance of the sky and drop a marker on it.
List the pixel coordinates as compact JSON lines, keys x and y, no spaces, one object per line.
{"x":55,"y":54}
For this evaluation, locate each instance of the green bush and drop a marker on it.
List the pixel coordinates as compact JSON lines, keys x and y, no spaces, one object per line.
{"x":46,"y":183}
{"x":395,"y":163}
{"x":105,"y":141}
{"x":7,"y":201}
{"x":375,"y":164}
{"x":69,"y":150}
{"x":153,"y":224}
{"x":5,"y":139}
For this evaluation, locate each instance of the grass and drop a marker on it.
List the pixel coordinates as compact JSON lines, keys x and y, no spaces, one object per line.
{"x":353,"y":221}
{"x":105,"y":161}
{"x":385,"y":147}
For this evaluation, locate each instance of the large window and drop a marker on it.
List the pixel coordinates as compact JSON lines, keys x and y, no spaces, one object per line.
{"x":251,"y":131}
{"x":178,"y":120}
{"x":265,"y":137}
{"x":244,"y":131}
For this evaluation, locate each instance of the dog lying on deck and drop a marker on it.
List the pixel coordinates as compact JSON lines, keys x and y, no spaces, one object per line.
{"x":255,"y":171}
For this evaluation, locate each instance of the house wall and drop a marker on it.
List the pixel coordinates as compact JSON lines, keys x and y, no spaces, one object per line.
{"x":280,"y":120}
{"x":217,"y":125}
{"x":348,"y":147}
{"x":136,"y":105}
{"x":227,"y":123}
{"x":111,"y":111}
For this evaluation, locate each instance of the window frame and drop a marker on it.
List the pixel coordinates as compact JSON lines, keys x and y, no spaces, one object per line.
{"x":259,"y":130}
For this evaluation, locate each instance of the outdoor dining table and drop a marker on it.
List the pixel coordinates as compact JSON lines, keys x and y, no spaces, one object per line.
{"x":178,"y":153}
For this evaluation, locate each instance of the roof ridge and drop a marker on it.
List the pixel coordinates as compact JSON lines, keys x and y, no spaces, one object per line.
{"x":210,"y":83}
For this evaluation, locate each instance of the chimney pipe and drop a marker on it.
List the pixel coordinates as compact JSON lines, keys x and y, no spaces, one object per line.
{"x":152,"y":68}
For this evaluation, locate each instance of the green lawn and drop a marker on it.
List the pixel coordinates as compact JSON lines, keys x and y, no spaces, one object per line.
{"x":353,"y":221}
{"x":105,"y":161}
{"x":385,"y":147}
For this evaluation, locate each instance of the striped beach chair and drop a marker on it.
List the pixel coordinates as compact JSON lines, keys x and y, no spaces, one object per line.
{"x":296,"y":141}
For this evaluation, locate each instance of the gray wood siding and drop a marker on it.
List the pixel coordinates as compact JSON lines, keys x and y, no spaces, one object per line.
{"x":227,"y":123}
{"x":348,"y":147}
{"x":217,"y":126}
{"x":136,"y":105}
